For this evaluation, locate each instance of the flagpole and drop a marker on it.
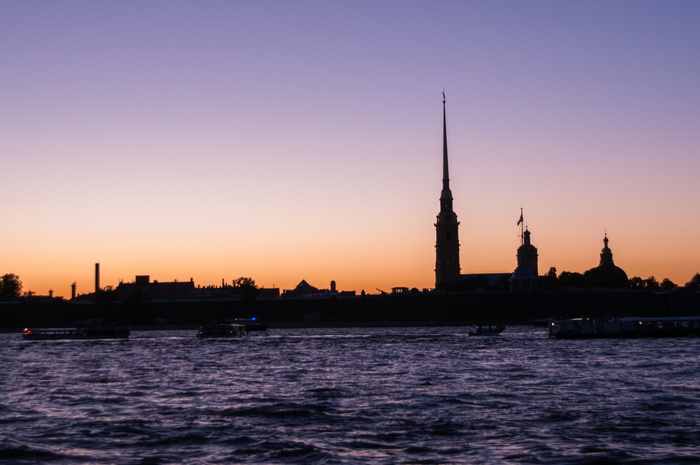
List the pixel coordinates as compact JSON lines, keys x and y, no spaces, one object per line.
{"x":521,"y":223}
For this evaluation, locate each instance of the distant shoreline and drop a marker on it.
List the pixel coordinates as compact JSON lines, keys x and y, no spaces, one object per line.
{"x":446,"y":309}
{"x":319,"y":325}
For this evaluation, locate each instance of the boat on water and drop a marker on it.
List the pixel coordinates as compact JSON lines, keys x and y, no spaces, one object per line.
{"x":221,"y":330}
{"x":252,"y":324}
{"x":95,"y":331}
{"x":629,"y":327}
{"x":489,"y":330}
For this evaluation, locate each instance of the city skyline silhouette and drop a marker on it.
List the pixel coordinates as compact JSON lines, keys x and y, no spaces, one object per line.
{"x":278,"y":142}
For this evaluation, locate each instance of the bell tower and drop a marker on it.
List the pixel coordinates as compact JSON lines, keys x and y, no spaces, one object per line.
{"x":447,"y":227}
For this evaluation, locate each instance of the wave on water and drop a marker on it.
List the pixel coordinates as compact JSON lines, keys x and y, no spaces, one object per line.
{"x":348,"y":396}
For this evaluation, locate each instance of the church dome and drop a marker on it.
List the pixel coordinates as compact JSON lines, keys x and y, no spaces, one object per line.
{"x":606,"y":274}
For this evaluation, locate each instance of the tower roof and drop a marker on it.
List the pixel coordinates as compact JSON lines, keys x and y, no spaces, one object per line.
{"x":606,"y":258}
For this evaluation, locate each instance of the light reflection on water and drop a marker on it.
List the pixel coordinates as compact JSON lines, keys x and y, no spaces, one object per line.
{"x":343,"y":396}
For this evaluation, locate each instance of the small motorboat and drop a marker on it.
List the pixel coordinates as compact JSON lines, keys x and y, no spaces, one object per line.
{"x":221,"y":330}
{"x":489,"y":330}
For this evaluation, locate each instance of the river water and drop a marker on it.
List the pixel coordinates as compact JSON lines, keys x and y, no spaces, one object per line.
{"x":348,"y":396}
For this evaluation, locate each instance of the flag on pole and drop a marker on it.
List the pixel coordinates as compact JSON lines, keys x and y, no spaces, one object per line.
{"x":521,"y":219}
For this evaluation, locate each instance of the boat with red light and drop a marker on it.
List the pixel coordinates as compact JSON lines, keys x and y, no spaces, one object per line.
{"x":94,"y":331}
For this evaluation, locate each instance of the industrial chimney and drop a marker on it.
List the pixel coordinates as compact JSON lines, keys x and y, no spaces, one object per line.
{"x":97,"y":277}
{"x":72,"y":290}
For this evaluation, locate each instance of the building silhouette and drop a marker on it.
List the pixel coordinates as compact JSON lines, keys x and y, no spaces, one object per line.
{"x":525,"y":276}
{"x":447,"y":269}
{"x":606,"y":274}
{"x":143,"y":289}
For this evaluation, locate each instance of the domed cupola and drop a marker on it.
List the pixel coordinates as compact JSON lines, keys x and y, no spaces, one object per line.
{"x":527,"y":253}
{"x":524,"y":277}
{"x":606,"y":274}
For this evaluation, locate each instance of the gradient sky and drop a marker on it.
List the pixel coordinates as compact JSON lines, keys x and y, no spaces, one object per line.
{"x":303,"y":140}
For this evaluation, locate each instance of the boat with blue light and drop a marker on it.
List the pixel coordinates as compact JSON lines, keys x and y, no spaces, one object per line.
{"x":251,"y":324}
{"x":221,"y":330}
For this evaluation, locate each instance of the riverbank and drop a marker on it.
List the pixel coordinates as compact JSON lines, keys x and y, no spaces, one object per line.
{"x":421,"y":309}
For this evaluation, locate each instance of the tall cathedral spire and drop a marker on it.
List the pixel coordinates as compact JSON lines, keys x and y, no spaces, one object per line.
{"x":446,"y":194}
{"x":445,"y":164}
{"x":447,"y":244}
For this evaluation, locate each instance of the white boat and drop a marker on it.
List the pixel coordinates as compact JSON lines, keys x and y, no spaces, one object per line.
{"x":590,"y":328}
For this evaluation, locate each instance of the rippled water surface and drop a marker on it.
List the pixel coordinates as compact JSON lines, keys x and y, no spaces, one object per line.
{"x":348,"y":396}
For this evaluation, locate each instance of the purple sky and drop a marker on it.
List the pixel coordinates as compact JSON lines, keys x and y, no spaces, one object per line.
{"x":302,"y":140}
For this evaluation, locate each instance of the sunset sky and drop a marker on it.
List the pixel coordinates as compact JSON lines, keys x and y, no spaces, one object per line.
{"x":290,"y":140}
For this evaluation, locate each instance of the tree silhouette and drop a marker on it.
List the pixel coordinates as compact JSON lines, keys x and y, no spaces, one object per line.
{"x":572,"y":279}
{"x":651,"y":284}
{"x":694,"y":282}
{"x":667,"y":284}
{"x":550,"y":280}
{"x":10,"y":286}
{"x":246,"y":288}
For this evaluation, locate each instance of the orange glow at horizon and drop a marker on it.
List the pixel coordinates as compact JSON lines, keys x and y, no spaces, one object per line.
{"x":352,"y":269}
